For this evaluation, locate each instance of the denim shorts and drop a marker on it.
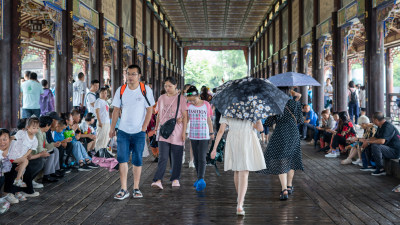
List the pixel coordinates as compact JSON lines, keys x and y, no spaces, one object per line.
{"x":130,"y":143}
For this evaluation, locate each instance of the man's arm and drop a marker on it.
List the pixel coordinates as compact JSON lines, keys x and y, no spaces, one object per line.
{"x":83,"y":99}
{"x":149,"y":113}
{"x":374,"y":140}
{"x":98,"y":117}
{"x":114,"y":120}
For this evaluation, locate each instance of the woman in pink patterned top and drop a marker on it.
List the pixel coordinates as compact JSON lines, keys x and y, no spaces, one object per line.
{"x":166,"y":106}
{"x":201,"y":131}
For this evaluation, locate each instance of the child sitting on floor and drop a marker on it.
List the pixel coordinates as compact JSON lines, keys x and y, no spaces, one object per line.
{"x":78,"y":150}
{"x":26,"y":142}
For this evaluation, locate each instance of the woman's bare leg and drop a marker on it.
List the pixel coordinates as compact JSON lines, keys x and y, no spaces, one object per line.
{"x":236,"y":180}
{"x":284,"y":181}
{"x":290,"y":176}
{"x":242,"y":187}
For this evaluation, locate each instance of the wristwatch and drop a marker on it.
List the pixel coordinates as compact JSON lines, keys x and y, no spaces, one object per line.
{"x":211,"y":134}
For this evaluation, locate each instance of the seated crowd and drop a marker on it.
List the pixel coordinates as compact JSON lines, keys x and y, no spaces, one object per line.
{"x":48,"y":147}
{"x":369,"y":142}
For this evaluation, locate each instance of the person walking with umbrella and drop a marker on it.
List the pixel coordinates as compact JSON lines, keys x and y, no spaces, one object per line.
{"x":244,"y":103}
{"x":283,"y":154}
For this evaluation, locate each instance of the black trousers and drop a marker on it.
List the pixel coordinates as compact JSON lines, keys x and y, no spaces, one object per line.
{"x":165,"y":150}
{"x":200,"y":150}
{"x":32,"y":170}
{"x":326,"y":137}
{"x":338,"y":140}
{"x":65,"y":153}
{"x":380,"y":152}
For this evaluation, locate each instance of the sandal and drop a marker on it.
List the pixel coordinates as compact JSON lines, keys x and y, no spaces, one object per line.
{"x":121,"y":195}
{"x":240,"y":211}
{"x":137,"y":193}
{"x":290,"y":189}
{"x":284,"y":196}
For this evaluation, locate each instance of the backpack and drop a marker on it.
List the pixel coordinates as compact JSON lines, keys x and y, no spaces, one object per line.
{"x":84,"y":110}
{"x":353,"y":97}
{"x":89,"y":93}
{"x":142,"y":89}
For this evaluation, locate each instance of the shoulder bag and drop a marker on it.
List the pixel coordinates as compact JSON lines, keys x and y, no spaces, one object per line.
{"x":168,"y":127}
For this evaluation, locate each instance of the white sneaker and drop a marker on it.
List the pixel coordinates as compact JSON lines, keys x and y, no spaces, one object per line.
{"x":183,"y":157}
{"x":331,"y":155}
{"x":37,"y":185}
{"x":34,"y":194}
{"x":361,"y":164}
{"x":357,"y":162}
{"x":191,"y":164}
{"x":11,"y":198}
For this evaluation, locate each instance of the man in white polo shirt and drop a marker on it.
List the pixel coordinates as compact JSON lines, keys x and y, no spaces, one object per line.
{"x":136,"y":105}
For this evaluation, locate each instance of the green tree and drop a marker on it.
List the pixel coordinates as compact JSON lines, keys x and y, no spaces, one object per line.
{"x":209,"y":68}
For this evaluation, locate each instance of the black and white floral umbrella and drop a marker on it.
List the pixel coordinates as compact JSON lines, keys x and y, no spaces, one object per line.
{"x":250,"y":99}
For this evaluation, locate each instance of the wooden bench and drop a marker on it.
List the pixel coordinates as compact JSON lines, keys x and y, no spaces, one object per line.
{"x":392,"y":167}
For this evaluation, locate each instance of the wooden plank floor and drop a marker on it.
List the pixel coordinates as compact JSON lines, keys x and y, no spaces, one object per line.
{"x":326,"y":193}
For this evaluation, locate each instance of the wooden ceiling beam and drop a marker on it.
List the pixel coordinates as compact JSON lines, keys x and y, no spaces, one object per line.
{"x":206,"y":16}
{"x":249,"y":6}
{"x":186,"y":16}
{"x":228,"y":2}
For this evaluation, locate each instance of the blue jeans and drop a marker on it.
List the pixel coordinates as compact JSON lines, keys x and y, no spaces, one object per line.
{"x":354,"y":111}
{"x":305,"y":127}
{"x":27,"y":113}
{"x":79,"y":152}
{"x":130,"y":143}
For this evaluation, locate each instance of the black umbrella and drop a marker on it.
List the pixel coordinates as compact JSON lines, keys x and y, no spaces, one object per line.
{"x":249,"y":99}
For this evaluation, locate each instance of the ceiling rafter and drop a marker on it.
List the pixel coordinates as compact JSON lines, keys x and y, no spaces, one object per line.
{"x":206,"y":17}
{"x":249,"y":6}
{"x":186,"y":16}
{"x":226,"y":14}
{"x":215,"y":19}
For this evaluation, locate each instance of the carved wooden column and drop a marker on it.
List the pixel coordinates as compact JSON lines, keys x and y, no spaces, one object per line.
{"x":301,"y":67}
{"x":374,"y":64}
{"x":319,"y":65}
{"x":10,"y":63}
{"x":98,"y":67}
{"x":63,"y":63}
{"x":389,"y":79}
{"x":340,"y":67}
{"x":47,"y":67}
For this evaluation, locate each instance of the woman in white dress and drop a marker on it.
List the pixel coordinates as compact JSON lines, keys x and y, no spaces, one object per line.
{"x":243,"y":153}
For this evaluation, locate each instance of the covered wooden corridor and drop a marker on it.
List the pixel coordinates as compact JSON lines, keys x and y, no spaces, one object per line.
{"x":325,"y":193}
{"x":322,"y":38}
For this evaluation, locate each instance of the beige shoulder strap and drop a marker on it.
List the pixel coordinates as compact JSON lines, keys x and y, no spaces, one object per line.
{"x":295,"y":120}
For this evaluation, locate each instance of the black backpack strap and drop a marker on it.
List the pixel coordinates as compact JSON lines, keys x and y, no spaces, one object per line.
{"x":144,"y":92}
{"x":147,"y":100}
{"x":177,"y":110}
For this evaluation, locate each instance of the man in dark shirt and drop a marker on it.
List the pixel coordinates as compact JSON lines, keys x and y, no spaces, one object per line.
{"x":385,"y":143}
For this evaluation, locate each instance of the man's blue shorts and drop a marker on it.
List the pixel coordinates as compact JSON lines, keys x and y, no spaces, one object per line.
{"x":130,"y":143}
